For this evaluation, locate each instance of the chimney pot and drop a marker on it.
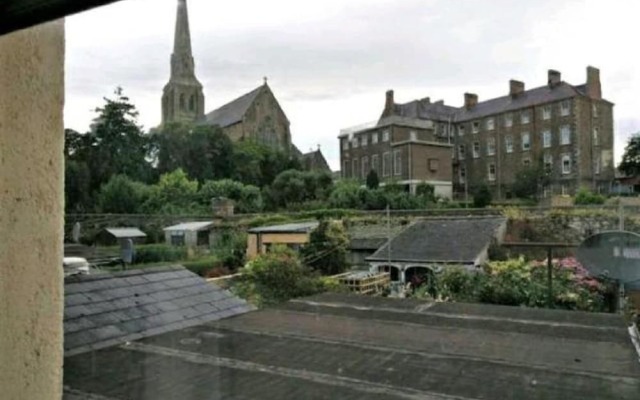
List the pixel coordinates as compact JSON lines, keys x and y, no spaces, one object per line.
{"x":553,"y":78}
{"x":470,"y":100}
{"x":516,"y":88}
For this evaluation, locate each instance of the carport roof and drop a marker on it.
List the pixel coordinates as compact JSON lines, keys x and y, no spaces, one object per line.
{"x":123,"y":233}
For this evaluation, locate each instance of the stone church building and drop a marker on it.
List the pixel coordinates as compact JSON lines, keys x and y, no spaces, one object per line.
{"x":256,"y":115}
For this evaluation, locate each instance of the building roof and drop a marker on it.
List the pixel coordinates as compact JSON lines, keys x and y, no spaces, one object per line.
{"x":424,"y":109}
{"x":339,"y":346}
{"x":105,"y":310}
{"x":234,"y":111}
{"x":123,"y":233}
{"x":441,"y":240}
{"x":372,"y":236}
{"x":287,"y":228}
{"x":190,"y":226}
{"x":314,"y":161}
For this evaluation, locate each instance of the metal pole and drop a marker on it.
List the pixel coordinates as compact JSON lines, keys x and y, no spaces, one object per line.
{"x":549,"y":277}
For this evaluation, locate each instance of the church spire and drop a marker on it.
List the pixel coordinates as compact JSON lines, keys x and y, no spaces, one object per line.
{"x":182,"y":99}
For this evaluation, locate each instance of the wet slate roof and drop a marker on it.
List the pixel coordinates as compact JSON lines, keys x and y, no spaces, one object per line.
{"x":109,"y":309}
{"x":232,"y":112}
{"x":340,"y":346}
{"x":190,"y":226}
{"x":445,"y":240}
{"x":287,"y":228}
{"x":372,"y":236}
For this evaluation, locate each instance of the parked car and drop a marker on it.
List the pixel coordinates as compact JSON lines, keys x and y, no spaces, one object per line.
{"x":75,"y":265}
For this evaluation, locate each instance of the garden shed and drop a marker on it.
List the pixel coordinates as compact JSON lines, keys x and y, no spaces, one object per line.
{"x":190,"y":234}
{"x":114,"y":236}
{"x":291,"y":235}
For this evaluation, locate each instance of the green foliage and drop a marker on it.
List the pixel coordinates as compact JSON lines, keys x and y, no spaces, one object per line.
{"x":174,"y":194}
{"x":326,"y":251}
{"x":295,"y":187}
{"x":630,"y":164}
{"x":247,"y":198}
{"x":258,"y":164}
{"x":426,"y":191}
{"x":482,"y":196}
{"x":231,"y":249}
{"x":346,"y":194}
{"x":586,"y":197}
{"x":77,"y":188}
{"x":152,"y":253}
{"x":373,"y":181}
{"x":528,"y":182}
{"x":276,"y":277}
{"x":203,"y":266}
{"x":121,"y":195}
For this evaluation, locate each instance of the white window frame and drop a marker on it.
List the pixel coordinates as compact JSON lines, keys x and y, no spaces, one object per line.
{"x":595,"y":110}
{"x":491,"y":146}
{"x":386,"y":164}
{"x":364,"y":162}
{"x":508,"y":143}
{"x":525,"y":117}
{"x":475,"y":127}
{"x":375,"y":163}
{"x":355,"y":142}
{"x":527,"y":142}
{"x":397,"y":163}
{"x":461,"y":130}
{"x":491,"y":124}
{"x":374,"y":138}
{"x":596,"y":136}
{"x":475,"y":150}
{"x":565,"y":108}
{"x":461,"y":152}
{"x":462,"y":174}
{"x":546,"y":139}
{"x":413,"y":135}
{"x":565,"y":135}
{"x":364,"y":140}
{"x":546,"y":112}
{"x":345,"y":144}
{"x":548,"y":162}
{"x":566,"y":160}
{"x":385,"y":135}
{"x":598,"y":166}
{"x":508,"y":120}
{"x":491,"y":176}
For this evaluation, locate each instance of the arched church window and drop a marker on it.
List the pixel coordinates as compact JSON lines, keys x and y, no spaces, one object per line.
{"x":182,"y":105}
{"x":192,"y":103}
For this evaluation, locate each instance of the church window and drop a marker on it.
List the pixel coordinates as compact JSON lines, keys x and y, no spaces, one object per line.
{"x":182,"y":105}
{"x":192,"y":103}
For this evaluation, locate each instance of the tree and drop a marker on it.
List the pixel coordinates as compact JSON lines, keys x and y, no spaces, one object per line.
{"x":373,"y":182}
{"x":77,"y":189}
{"x":258,"y":164}
{"x":346,"y":194}
{"x":247,"y":198}
{"x":326,"y":251}
{"x":175,"y":193}
{"x":586,"y":197}
{"x":121,"y":195}
{"x":482,"y":196}
{"x":630,"y":164}
{"x":529,"y":181}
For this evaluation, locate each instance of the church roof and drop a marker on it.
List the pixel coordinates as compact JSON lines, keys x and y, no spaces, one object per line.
{"x":232,"y":112}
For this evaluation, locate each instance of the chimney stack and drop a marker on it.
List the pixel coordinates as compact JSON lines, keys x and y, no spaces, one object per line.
{"x":516,"y":88}
{"x":470,"y":100}
{"x":389,"y":105}
{"x":553,"y":78}
{"x":594,"y":90}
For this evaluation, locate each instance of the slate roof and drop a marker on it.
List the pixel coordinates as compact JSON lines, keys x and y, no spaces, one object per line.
{"x":286,"y":228}
{"x":109,"y":309}
{"x":314,"y":161}
{"x":122,"y":233}
{"x":426,"y":110}
{"x":442,"y":240}
{"x":234,"y":111}
{"x":371,"y":237}
{"x":339,"y":346}
{"x":190,"y":226}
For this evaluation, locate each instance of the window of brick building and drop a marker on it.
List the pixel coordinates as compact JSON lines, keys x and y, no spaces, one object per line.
{"x":413,"y":135}
{"x":433,"y":164}
{"x":546,"y":112}
{"x":525,"y":118}
{"x":508,"y":143}
{"x":475,"y":127}
{"x":461,"y":151}
{"x":565,"y":134}
{"x":364,"y":140}
{"x":462,"y":174}
{"x":596,"y":136}
{"x":460,"y":130}
{"x":491,"y":124}
{"x":492,"y":172}
{"x":355,"y":173}
{"x":508,"y":120}
{"x":566,"y":164}
{"x":491,"y":146}
{"x":526,"y":141}
{"x":365,"y":166}
{"x":598,"y":166}
{"x":548,"y":163}
{"x":345,"y":169}
{"x":386,"y":164}
{"x":594,"y":107}
{"x":355,"y":142}
{"x":385,"y":135}
{"x":476,"y":149}
{"x":546,"y":139}
{"x":375,"y":163}
{"x":565,"y":108}
{"x":374,"y":138}
{"x":345,"y":144}
{"x":397,"y":162}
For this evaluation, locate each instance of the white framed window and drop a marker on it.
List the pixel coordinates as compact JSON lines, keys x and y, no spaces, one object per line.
{"x":548,"y":162}
{"x":413,"y":135}
{"x":355,"y":173}
{"x":596,"y":136}
{"x":594,"y":107}
{"x":397,"y":162}
{"x":546,"y":139}
{"x":508,"y":143}
{"x":345,"y":169}
{"x":355,"y":142}
{"x":462,"y":174}
{"x":365,"y":167}
{"x":375,"y":163}
{"x":565,"y":134}
{"x":526,"y":161}
{"x":491,"y":124}
{"x":364,"y":140}
{"x":491,"y":146}
{"x":525,"y":117}
{"x":492,"y":172}
{"x":475,"y":127}
{"x":386,"y":164}
{"x":565,"y":108}
{"x":461,"y":152}
{"x":460,"y":130}
{"x":508,"y":120}
{"x":345,"y":144}
{"x":374,"y":138}
{"x":566,"y":164}
{"x":385,"y":135}
{"x":526,"y":141}
{"x":476,"y":149}
{"x":598,"y":166}
{"x":546,"y":112}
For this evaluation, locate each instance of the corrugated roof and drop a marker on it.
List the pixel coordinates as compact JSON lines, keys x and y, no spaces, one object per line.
{"x":286,"y":228}
{"x":441,"y":240}
{"x":234,"y":111}
{"x":106,"y":310}
{"x":122,"y":233}
{"x":190,"y":226}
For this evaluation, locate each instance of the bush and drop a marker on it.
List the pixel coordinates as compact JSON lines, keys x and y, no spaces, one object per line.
{"x":586,"y":197}
{"x":152,"y":253}
{"x":482,"y":196}
{"x":231,"y":249}
{"x":204,"y":266}
{"x":326,"y":251}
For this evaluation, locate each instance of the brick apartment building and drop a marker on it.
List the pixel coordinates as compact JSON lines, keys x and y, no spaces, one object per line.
{"x":565,"y":129}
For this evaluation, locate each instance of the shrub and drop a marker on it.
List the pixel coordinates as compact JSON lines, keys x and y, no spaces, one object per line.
{"x":158,"y":253}
{"x":482,"y":196}
{"x":326,"y":251}
{"x":586,"y":197}
{"x":204,"y":266}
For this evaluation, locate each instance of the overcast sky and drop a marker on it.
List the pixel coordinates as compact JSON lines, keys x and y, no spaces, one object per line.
{"x":329,"y":62}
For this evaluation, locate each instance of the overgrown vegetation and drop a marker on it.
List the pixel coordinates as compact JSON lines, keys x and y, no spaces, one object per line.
{"x":586,"y":197}
{"x":326,"y":251}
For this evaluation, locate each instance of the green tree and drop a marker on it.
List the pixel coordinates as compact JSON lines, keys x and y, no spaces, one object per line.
{"x":77,"y":186}
{"x":373,"y":182}
{"x":586,"y":197}
{"x":326,"y":251}
{"x":529,"y":181}
{"x":258,"y":164}
{"x":247,"y":198}
{"x":175,"y":193}
{"x":630,"y":164}
{"x":121,"y":195}
{"x":482,"y":196}
{"x":346,"y":194}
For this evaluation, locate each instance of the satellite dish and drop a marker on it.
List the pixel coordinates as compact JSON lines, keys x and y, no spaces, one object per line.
{"x":614,"y":254}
